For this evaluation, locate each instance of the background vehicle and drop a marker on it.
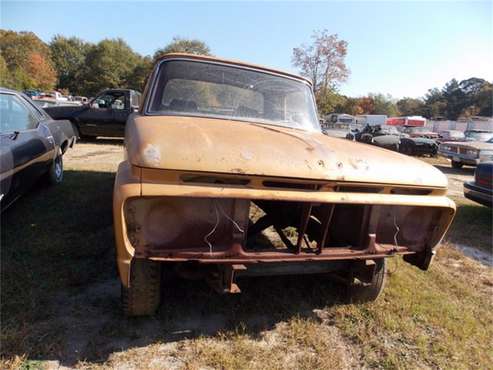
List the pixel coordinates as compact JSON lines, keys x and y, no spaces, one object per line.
{"x":481,"y":189}
{"x":410,"y":121}
{"x":105,"y":115}
{"x":414,"y":131}
{"x":468,"y":152}
{"x":450,"y":135}
{"x":221,"y":151}
{"x":32,"y":145}
{"x":478,"y":135}
{"x":371,"y":119}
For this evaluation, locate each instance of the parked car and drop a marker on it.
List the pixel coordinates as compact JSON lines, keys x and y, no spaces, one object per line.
{"x":450,"y":135}
{"x":32,"y":146}
{"x":105,"y":115}
{"x":469,"y":153}
{"x":32,"y":93}
{"x":389,"y":137}
{"x":481,"y":189}
{"x":478,"y":135}
{"x":220,"y":151}
{"x":414,"y":131}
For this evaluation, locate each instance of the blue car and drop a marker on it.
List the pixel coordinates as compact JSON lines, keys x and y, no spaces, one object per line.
{"x":481,"y":189}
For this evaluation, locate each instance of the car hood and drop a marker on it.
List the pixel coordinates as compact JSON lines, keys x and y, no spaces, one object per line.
{"x":226,"y":146}
{"x":481,"y":145}
{"x":423,"y":140}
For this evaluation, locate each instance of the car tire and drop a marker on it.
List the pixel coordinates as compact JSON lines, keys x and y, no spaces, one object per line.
{"x":359,"y":292}
{"x":143,"y":295}
{"x":457,"y":165}
{"x":54,"y":176}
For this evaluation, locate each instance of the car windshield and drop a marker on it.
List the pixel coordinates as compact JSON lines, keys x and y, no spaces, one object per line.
{"x":455,"y":134}
{"x":391,"y":130}
{"x":478,"y":135}
{"x":219,"y":91}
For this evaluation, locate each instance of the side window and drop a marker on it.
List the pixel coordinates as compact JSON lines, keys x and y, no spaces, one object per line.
{"x":118,"y":103}
{"x":135,"y":100}
{"x":107,"y":101}
{"x":14,"y":115}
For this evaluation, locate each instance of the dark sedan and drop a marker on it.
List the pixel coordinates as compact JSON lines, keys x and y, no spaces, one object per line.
{"x":481,"y":189}
{"x":389,"y":137}
{"x":31,"y":146}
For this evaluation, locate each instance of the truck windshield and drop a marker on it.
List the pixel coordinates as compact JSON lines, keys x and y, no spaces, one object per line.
{"x":204,"y":89}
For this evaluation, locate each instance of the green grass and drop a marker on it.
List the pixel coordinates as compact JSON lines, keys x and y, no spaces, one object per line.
{"x":472,"y":225}
{"x":57,"y":258}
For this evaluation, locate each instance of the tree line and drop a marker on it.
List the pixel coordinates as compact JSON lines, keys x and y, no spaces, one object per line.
{"x":75,"y":66}
{"x":323,"y":61}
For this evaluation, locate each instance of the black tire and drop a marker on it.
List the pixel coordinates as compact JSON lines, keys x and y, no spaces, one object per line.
{"x":54,"y":176}
{"x":457,"y":165}
{"x":359,"y":292}
{"x":367,"y":139}
{"x":143,"y":295}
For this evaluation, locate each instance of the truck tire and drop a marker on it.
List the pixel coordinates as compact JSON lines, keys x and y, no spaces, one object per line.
{"x":457,"y":165}
{"x":359,"y":292}
{"x":54,"y":176}
{"x":143,"y":295}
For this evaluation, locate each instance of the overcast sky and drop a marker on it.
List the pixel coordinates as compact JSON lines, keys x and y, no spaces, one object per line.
{"x":400,"y":48}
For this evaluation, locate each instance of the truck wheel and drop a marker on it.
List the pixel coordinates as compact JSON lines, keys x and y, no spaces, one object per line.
{"x":54,"y":175}
{"x":359,"y":292}
{"x":456,"y":165}
{"x":143,"y":295}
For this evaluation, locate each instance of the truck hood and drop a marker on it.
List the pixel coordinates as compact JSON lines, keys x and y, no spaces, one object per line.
{"x":236,"y":147}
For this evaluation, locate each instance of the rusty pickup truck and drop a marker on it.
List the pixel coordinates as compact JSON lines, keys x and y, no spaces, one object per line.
{"x":228,"y":175}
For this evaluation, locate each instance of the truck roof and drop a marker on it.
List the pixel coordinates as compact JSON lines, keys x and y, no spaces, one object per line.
{"x":208,"y":58}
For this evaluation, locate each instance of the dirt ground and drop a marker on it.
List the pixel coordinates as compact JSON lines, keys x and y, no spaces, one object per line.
{"x":62,"y":308}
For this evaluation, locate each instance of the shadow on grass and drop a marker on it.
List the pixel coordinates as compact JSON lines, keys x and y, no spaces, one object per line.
{"x":472,"y":225}
{"x":448,"y":170}
{"x":60,"y":293}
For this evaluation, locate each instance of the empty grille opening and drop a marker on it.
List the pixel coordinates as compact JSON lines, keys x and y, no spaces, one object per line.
{"x":290,"y":185}
{"x":359,"y":189}
{"x":214,"y":180}
{"x":408,"y":191}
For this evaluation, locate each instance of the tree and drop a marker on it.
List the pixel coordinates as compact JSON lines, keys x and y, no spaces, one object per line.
{"x":322,"y":61}
{"x":138,"y":78}
{"x":411,"y":107}
{"x":383,"y":104}
{"x":329,"y":101}
{"x":25,"y":56}
{"x":69,"y":57}
{"x":108,"y":64}
{"x":435,"y":104}
{"x":183,"y":45}
{"x":455,"y":98}
{"x":41,"y":72}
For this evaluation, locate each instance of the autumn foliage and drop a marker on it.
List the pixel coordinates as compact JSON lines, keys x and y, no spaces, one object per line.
{"x":43,"y":75}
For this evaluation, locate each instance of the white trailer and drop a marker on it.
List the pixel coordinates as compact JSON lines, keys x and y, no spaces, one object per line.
{"x":371,"y":119}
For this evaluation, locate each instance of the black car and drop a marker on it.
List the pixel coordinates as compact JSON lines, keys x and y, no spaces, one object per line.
{"x":389,"y":137}
{"x":481,"y":189}
{"x":31,"y":145}
{"x":105,"y":115}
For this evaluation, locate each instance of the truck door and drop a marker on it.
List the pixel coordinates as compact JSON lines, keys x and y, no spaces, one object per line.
{"x":121,"y":110}
{"x":106,"y":115}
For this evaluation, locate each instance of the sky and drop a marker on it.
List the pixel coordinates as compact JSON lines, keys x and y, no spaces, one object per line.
{"x":394,"y":47}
